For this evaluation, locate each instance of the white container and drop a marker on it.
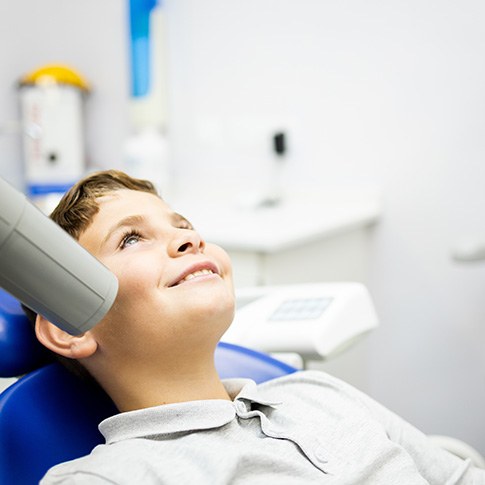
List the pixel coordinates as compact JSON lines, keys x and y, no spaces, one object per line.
{"x":51,"y":103}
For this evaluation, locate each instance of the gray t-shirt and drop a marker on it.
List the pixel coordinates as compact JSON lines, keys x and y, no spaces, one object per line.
{"x":303,"y":428}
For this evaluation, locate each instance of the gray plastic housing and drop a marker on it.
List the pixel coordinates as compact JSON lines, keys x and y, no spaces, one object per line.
{"x":48,"y":270}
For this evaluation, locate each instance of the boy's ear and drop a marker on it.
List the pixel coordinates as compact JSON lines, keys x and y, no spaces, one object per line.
{"x":63,"y":343}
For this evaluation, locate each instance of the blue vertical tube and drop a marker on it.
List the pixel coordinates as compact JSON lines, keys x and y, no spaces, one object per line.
{"x":140,"y":48}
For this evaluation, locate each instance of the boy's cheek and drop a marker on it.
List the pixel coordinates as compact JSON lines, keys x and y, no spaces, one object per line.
{"x":135,"y":285}
{"x":135,"y":270}
{"x":221,"y":257}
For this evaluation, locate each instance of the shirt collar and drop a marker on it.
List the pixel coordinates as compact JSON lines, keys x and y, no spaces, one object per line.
{"x":246,"y":389}
{"x":182,"y":417}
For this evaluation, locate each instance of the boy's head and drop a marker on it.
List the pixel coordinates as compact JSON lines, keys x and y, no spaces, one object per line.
{"x":175,"y":297}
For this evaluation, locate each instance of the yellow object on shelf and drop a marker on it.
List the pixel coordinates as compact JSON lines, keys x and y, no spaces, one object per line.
{"x":57,"y":73}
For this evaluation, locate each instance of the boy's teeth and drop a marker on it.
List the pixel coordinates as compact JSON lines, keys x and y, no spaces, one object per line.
{"x":197,"y":273}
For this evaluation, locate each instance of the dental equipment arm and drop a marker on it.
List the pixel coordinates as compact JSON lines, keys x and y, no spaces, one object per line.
{"x":47,"y":270}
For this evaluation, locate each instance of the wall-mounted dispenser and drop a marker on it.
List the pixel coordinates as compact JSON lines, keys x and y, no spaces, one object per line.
{"x":146,"y":150}
{"x":51,"y":103}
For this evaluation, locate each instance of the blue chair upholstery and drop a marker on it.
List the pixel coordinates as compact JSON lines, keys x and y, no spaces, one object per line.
{"x":50,"y":416}
{"x":20,"y":351}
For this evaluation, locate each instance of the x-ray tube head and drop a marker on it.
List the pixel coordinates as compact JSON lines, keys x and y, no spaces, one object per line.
{"x":48,"y":270}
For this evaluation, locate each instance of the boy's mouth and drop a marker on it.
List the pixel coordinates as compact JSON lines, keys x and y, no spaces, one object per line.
{"x":197,"y":270}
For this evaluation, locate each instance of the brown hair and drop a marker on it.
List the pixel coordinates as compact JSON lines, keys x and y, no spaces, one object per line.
{"x":77,"y":208}
{"x":75,"y":212}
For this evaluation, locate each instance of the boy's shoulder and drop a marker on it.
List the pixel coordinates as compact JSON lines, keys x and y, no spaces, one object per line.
{"x":308,"y":389}
{"x":309,"y":382}
{"x":123,"y":462}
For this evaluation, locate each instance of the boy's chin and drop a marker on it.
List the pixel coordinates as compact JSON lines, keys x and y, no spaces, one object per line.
{"x":217,"y":313}
{"x":210,"y":296}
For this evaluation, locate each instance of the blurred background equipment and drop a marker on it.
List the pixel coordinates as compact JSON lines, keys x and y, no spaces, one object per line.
{"x":52,"y":118}
{"x":146,"y":149}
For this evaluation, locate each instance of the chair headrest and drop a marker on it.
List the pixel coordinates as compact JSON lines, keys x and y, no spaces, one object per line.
{"x":20,"y":351}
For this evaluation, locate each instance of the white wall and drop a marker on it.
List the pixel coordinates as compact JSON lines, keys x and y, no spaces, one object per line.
{"x":383,"y":92}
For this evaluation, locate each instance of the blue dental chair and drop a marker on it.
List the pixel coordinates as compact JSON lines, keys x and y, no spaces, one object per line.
{"x":49,"y":416}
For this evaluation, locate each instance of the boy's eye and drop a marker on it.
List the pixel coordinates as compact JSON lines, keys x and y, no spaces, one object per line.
{"x":129,"y":239}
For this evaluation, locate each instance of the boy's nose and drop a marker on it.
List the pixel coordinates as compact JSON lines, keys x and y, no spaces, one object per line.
{"x":187,"y":242}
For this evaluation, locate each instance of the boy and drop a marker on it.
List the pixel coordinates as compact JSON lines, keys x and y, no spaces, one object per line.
{"x":153,"y":355}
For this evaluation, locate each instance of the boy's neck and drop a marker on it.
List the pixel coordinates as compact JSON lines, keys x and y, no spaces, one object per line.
{"x":155,"y":389}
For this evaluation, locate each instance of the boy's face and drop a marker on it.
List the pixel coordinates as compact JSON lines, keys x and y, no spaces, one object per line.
{"x":175,"y":291}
